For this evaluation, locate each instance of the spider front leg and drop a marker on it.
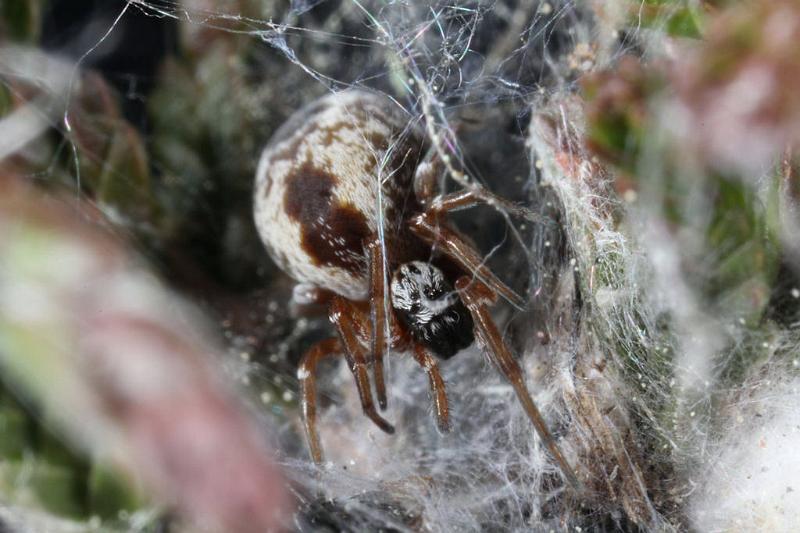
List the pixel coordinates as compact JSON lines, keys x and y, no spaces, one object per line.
{"x":430,"y":227}
{"x":377,"y":286}
{"x":427,"y":192}
{"x":475,"y":296}
{"x":456,"y":201}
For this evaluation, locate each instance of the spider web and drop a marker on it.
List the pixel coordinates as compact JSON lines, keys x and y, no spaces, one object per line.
{"x":621,"y":352}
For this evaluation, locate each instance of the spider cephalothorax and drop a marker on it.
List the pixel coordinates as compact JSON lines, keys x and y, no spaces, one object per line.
{"x":342,"y":199}
{"x":429,"y":307}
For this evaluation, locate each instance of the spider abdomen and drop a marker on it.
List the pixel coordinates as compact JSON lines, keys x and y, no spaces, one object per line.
{"x":317,"y":200}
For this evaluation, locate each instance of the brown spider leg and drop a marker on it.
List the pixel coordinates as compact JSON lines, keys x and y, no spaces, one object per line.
{"x":475,"y":296}
{"x":307,"y":375}
{"x":464,"y":199}
{"x":377,"y":283}
{"x":426,"y":185}
{"x":309,"y":300}
{"x":438,"y":392}
{"x":429,"y":227}
{"x":344,"y":315}
{"x":426,"y":190}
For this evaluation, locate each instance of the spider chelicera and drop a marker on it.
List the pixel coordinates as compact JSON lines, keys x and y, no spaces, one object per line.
{"x":381,"y":258}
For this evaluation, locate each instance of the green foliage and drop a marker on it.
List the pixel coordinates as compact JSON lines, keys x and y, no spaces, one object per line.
{"x":206,"y":148}
{"x":190,"y":181}
{"x":618,"y":111}
{"x":746,"y":254}
{"x":114,"y":167}
{"x":677,"y":18}
{"x":20,"y":19}
{"x":6,"y":101}
{"x":109,"y":493}
{"x":725,"y":231}
{"x":199,"y":139}
{"x":37,"y":468}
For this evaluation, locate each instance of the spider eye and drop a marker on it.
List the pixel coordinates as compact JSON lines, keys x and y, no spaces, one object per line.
{"x":434,"y":292}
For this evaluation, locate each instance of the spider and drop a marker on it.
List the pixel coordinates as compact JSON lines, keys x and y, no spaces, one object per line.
{"x":326,"y":222}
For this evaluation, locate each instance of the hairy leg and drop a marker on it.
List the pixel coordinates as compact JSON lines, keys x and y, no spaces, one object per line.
{"x":377,"y":285}
{"x":435,"y":231}
{"x":427,"y":180}
{"x":475,"y":296}
{"x":307,"y":375}
{"x":438,"y":393}
{"x":345,"y":317}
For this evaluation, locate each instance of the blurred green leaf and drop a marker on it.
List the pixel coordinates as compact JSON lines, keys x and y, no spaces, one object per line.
{"x":34,"y":482}
{"x":22,"y":19}
{"x":39,"y":469}
{"x":745,"y":254}
{"x":124,"y":178}
{"x":207,"y":133}
{"x":618,"y":110}
{"x":14,"y":428}
{"x":678,"y":18}
{"x":114,"y":165}
{"x":200,"y":139}
{"x":110,"y":493}
{"x":6,"y":100}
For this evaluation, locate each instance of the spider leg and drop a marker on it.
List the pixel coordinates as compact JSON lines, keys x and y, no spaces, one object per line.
{"x":377,"y":282}
{"x":429,"y":227}
{"x":426,"y":180}
{"x":345,"y":316}
{"x":475,"y":296}
{"x":427,"y":191}
{"x":307,"y":375}
{"x":428,"y":363}
{"x":464,"y":199}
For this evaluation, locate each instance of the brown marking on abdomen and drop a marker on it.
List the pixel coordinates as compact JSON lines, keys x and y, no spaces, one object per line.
{"x":378,"y":141}
{"x":332,"y":233}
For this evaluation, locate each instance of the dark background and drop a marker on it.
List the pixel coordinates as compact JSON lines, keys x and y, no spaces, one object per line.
{"x":128,"y":58}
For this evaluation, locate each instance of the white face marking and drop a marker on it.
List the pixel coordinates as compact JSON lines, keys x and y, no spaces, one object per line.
{"x":409,"y":285}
